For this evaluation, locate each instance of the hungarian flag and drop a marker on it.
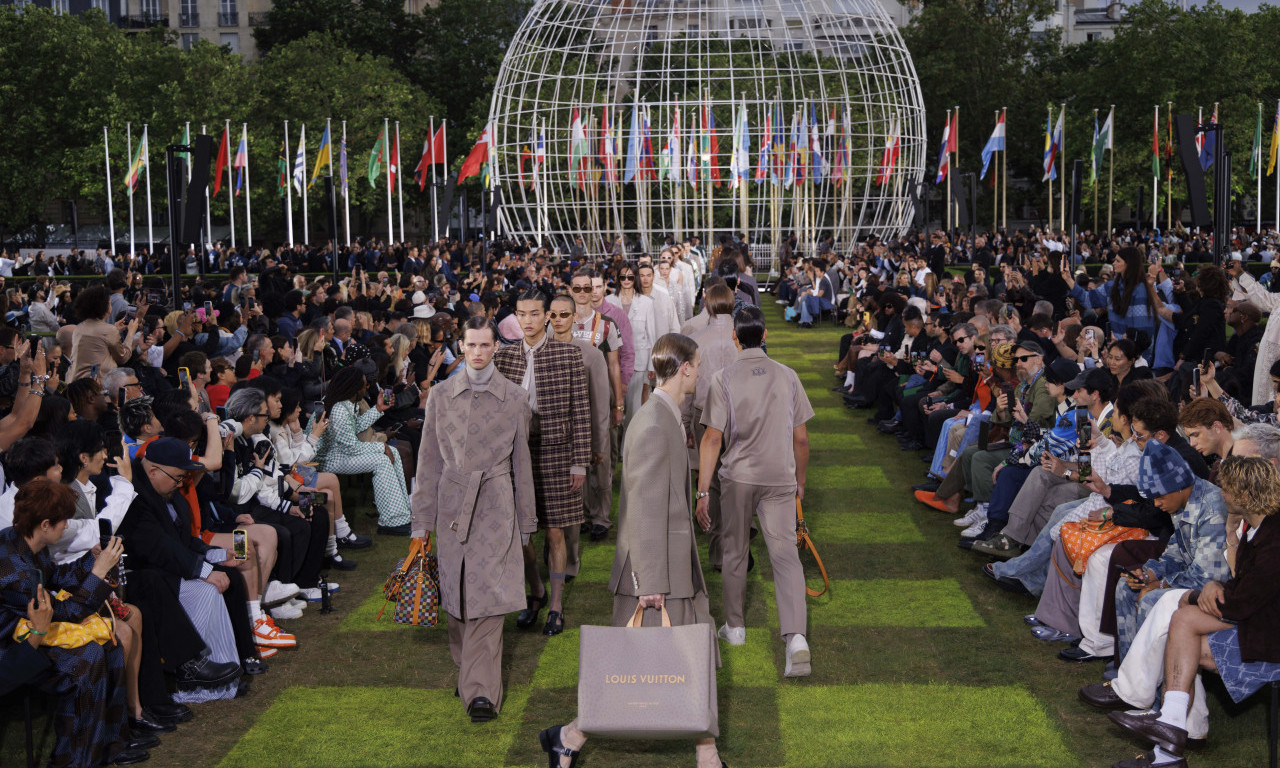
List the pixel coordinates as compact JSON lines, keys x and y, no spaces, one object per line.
{"x":375,"y":158}
{"x":220,"y":164}
{"x":478,"y":157}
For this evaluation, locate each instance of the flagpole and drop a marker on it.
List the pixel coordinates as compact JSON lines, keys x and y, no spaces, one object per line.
{"x":1168,"y":175}
{"x":346,"y":193}
{"x":1275,"y":129}
{"x":302,"y":149}
{"x":1062,"y":154}
{"x":146,"y":160}
{"x":1095,"y":175}
{"x":1052,"y":161}
{"x":444,"y":138}
{"x":288,"y":186}
{"x":1111,"y":166}
{"x":1155,"y":185}
{"x":231,"y":200}
{"x":400,"y":183}
{"x":995,"y":212}
{"x":248,"y":206}
{"x":946,"y":149}
{"x":111,"y":219}
{"x":435,"y":206}
{"x":208,"y":209}
{"x":1004,"y":172}
{"x":128,"y":143}
{"x":1258,"y":207}
{"x":386,"y":148}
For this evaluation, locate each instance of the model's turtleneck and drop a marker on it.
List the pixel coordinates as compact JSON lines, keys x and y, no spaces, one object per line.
{"x":480,"y":379}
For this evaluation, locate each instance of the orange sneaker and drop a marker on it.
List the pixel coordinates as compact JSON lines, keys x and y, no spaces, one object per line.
{"x":267,"y":634}
{"x":265,"y":653}
{"x":930,"y":500}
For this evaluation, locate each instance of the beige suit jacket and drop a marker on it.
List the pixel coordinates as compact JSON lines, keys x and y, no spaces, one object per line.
{"x":656,"y":551}
{"x":600,"y":392}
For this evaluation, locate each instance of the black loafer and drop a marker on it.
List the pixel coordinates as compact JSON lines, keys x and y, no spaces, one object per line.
{"x":481,"y":710}
{"x":141,"y":743}
{"x":599,"y":533}
{"x":1075,"y":654}
{"x":129,"y":757}
{"x":339,"y":563}
{"x":144,"y":726}
{"x":355,"y":541}
{"x":206,"y":673}
{"x":529,"y":616}
{"x":551,"y":744}
{"x":394,"y":530}
{"x":554,"y":625}
{"x":170,"y":713}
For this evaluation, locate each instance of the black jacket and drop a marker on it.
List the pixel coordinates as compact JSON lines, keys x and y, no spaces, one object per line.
{"x":153,"y":539}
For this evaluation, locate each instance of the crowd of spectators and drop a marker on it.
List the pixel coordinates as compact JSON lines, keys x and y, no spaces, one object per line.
{"x":1102,"y":427}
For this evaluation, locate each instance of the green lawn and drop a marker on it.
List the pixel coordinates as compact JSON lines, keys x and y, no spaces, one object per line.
{"x":918,"y":660}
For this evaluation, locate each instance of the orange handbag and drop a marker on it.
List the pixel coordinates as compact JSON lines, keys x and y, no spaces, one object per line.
{"x":803,"y":542}
{"x":1081,"y":538}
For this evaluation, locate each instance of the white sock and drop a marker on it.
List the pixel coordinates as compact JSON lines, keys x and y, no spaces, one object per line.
{"x":255,"y":610}
{"x":331,"y":547}
{"x":341,"y":528}
{"x":1174,"y":710}
{"x":1161,"y":757}
{"x":848,"y":379}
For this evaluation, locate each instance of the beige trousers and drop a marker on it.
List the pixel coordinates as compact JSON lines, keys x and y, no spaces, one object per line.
{"x":775,"y":506}
{"x":476,"y":647}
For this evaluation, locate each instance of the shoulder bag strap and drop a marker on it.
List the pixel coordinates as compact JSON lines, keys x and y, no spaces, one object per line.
{"x":804,"y":542}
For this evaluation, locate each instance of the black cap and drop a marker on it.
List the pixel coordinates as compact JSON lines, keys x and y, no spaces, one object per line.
{"x":1094,"y":379}
{"x":1031,"y":347}
{"x":171,"y":452}
{"x":1061,"y":371}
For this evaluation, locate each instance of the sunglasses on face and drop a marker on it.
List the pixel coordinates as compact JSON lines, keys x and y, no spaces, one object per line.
{"x":960,"y":339}
{"x":1024,"y":358}
{"x":560,"y":315}
{"x":980,"y":348}
{"x":626,"y":277}
{"x":581,"y":289}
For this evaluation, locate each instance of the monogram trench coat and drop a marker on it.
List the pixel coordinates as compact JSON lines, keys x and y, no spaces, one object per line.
{"x":474,"y":488}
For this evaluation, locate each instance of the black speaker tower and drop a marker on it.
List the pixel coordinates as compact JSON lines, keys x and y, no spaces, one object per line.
{"x":1185,"y":128}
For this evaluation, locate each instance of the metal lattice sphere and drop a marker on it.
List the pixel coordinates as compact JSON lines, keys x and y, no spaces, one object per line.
{"x":646,"y":118}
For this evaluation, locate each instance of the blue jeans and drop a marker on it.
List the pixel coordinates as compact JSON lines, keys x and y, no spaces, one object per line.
{"x":1032,"y":567}
{"x":1008,"y":483}
{"x":812,"y":307}
{"x":970,"y":437}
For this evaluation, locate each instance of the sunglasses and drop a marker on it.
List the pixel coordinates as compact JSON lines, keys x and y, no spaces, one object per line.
{"x":626,"y":277}
{"x":1024,"y":358}
{"x":960,"y":339}
{"x":581,"y":289}
{"x":980,"y":347}
{"x":560,"y":315}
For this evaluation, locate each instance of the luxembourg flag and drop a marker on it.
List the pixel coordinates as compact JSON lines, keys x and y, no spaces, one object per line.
{"x":241,"y":161}
{"x":944,"y":155}
{"x":994,"y":144}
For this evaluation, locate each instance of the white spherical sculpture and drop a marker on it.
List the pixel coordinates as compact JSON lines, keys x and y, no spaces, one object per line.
{"x":644,"y":119}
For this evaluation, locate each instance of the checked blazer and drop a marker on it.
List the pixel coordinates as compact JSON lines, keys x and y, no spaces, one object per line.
{"x":562,"y":438}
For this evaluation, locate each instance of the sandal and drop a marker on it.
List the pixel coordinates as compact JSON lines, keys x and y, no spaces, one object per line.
{"x":551,"y":744}
{"x":555,"y":624}
{"x":529,"y":616}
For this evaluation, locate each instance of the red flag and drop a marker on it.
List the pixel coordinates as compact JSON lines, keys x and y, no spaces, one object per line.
{"x":953,"y":140}
{"x":715,"y":145}
{"x":394,"y":168}
{"x":221,"y":163}
{"x":478,"y":157}
{"x":432,"y":154}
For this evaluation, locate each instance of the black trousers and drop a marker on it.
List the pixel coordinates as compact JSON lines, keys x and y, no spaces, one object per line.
{"x":168,"y":638}
{"x":913,"y":419}
{"x":236,"y":598}
{"x":300,"y":551}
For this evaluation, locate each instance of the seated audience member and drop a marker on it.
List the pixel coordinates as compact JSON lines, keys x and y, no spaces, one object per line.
{"x":1230,"y":624}
{"x":138,"y":424}
{"x":223,"y":376}
{"x":88,"y":681}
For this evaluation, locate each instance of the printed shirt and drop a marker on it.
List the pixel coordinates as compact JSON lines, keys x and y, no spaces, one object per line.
{"x":1196,"y":551}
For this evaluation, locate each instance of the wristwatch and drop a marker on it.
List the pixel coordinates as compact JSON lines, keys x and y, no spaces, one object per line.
{"x":1066,"y":473}
{"x":700,"y":495}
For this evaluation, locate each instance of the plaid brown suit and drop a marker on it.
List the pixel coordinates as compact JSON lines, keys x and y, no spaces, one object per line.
{"x":564,"y":437}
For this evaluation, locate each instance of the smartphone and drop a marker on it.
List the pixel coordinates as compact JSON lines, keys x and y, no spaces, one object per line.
{"x":36,"y":576}
{"x":320,"y":498}
{"x":104,"y":533}
{"x":1084,"y":434}
{"x":251,"y":303}
{"x":184,"y":378}
{"x":980,"y":359}
{"x":240,"y":544}
{"x":93,"y":371}
{"x":1195,"y":380}
{"x":155,"y":298}
{"x":318,"y":406}
{"x":1085,"y":468}
{"x":1208,"y":357}
{"x":222,"y":412}
{"x":186,"y":306}
{"x":1090,"y":335}
{"x":262,"y":448}
{"x":305,"y":499}
{"x":131,"y":312}
{"x":34,"y":341}
{"x":208,"y":310}
{"x":388,"y":396}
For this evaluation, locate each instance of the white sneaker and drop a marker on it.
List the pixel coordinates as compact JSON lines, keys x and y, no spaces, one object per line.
{"x":974,"y":530}
{"x":285,"y":611}
{"x":733,"y":635}
{"x":979,"y":512}
{"x":780,"y":301}
{"x":278,"y":593}
{"x":797,"y":657}
{"x":296,"y":603}
{"x":312,"y":594}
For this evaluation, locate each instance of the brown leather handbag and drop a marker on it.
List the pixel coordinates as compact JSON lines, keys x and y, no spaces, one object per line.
{"x":803,"y":542}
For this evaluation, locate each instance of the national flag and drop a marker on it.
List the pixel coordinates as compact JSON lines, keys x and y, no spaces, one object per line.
{"x":526,"y":153}
{"x":889,"y":158}
{"x":1155,"y":145}
{"x":139,"y":163}
{"x":815,"y":148}
{"x":953,"y":139}
{"x":376,"y":158}
{"x":647,"y":169}
{"x":794,"y":170}
{"x":832,"y":128}
{"x":300,"y":161}
{"x":1050,"y":150}
{"x":633,"y":148}
{"x":242,"y":159}
{"x":944,"y":154}
{"x":608,"y":150}
{"x":1255,"y":157}
{"x":424,"y":163}
{"x":692,"y":171}
{"x":1275,"y":142}
{"x":479,"y":155}
{"x":324,"y":157}
{"x":994,"y":144}
{"x":766,"y":145}
{"x":432,"y":153}
{"x":220,"y":164}
{"x":1103,"y":141}
{"x":394,"y":166}
{"x":741,"y":161}
{"x":713,"y":145}
{"x":1210,"y":142}
{"x":838,"y":161}
{"x":677,"y":148}
{"x":579,"y":148}
{"x":342,"y":165}
{"x":282,"y":171}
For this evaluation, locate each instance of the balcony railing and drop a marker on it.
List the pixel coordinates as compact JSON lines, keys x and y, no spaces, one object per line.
{"x":143,"y":21}
{"x":189,"y":19}
{"x":228,"y":18}
{"x":259,"y":19}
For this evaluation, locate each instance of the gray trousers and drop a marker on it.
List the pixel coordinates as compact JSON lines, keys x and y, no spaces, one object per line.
{"x":973,"y":471}
{"x":775,"y":505}
{"x":1040,"y":495}
{"x":476,"y":647}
